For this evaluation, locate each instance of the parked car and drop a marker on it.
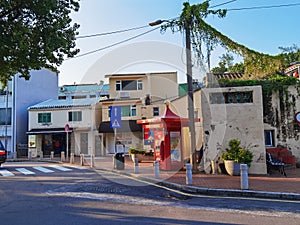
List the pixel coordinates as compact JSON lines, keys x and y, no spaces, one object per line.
{"x":2,"y":154}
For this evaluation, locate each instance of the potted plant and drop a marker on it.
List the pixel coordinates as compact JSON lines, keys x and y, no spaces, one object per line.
{"x":235,"y":155}
{"x":136,"y":153}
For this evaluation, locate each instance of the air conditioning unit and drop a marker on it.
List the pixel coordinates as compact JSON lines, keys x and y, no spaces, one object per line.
{"x":124,"y":94}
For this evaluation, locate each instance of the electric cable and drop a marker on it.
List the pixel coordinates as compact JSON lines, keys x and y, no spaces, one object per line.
{"x":112,"y":32}
{"x":114,"y":44}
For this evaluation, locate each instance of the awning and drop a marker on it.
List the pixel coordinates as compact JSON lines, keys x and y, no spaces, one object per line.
{"x":127,"y":126}
{"x":47,"y":131}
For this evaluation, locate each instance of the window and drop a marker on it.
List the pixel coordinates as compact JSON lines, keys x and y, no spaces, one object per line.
{"x":118,"y":85}
{"x":126,"y":110}
{"x":231,"y":97}
{"x":269,"y":138}
{"x":75,"y":116}
{"x":140,"y":85}
{"x":44,"y":117}
{"x":155,"y":111}
{"x":129,"y":85}
{"x":5,"y":118}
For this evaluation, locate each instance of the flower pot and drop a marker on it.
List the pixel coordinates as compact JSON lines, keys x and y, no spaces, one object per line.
{"x":138,"y":156}
{"x":232,"y":167}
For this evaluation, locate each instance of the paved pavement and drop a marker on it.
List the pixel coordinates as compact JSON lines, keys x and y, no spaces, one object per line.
{"x":264,"y":186}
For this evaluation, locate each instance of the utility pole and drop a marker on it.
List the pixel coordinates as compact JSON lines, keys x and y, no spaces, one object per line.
{"x":190,"y":94}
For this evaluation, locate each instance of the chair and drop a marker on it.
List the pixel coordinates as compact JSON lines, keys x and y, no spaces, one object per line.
{"x":274,"y":164}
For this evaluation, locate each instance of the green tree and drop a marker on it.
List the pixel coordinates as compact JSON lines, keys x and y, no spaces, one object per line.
{"x":226,"y":64}
{"x":35,"y":34}
{"x":289,"y":54}
{"x":205,"y":36}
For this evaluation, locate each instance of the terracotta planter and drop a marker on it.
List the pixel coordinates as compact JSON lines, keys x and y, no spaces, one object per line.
{"x":232,"y":167}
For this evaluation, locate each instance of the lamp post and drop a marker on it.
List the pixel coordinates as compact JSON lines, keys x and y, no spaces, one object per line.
{"x":190,"y":88}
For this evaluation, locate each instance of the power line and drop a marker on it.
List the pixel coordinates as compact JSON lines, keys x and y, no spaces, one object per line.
{"x":264,"y":7}
{"x":112,"y":45}
{"x":225,"y":3}
{"x":112,"y":32}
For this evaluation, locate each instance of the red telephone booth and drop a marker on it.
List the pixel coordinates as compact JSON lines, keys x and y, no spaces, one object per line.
{"x":165,"y":134}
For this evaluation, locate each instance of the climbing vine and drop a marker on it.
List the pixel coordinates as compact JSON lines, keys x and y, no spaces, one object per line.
{"x":257,"y":64}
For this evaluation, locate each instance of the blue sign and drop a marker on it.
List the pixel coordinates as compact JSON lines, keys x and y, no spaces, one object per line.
{"x":115,"y":117}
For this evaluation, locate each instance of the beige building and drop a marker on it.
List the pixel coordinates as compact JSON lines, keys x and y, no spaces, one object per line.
{"x":140,"y":96}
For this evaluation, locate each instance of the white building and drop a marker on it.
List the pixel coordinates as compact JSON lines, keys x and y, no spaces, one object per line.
{"x":47,"y":122}
{"x":14,"y":101}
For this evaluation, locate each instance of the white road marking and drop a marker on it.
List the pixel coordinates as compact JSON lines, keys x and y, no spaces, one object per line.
{"x":25,"y":171}
{"x":43,"y":169}
{"x":6,"y":173}
{"x":61,"y":168}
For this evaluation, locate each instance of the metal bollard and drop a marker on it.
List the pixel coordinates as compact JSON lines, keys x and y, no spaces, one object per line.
{"x":81,"y":159}
{"x":136,"y":165}
{"x":156,"y":169}
{"x":29,"y":154}
{"x":244,"y":176}
{"x":62,"y":156}
{"x":72,"y":160}
{"x":51,"y":155}
{"x":189,"y":179}
{"x":92,"y":161}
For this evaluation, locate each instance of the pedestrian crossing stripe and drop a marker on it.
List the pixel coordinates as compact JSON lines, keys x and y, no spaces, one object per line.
{"x":43,"y":169}
{"x":61,"y":168}
{"x":6,"y":173}
{"x":25,"y":171}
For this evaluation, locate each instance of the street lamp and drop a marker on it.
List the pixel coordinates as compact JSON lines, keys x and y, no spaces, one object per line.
{"x":189,"y":76}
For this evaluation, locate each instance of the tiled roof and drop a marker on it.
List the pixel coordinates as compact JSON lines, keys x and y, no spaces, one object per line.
{"x":229,"y":76}
{"x":66,"y":103}
{"x":85,"y":88}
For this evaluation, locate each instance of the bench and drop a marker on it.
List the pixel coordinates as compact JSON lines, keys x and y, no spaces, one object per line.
{"x":274,"y":164}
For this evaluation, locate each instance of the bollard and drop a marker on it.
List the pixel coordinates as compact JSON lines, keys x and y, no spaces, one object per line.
{"x":62,"y":156}
{"x":189,"y":179}
{"x":213,"y":167}
{"x":51,"y":155}
{"x":244,"y":176}
{"x":136,"y":165}
{"x":156,"y":169}
{"x":72,"y":160}
{"x":92,"y":161}
{"x":81,"y":159}
{"x":29,"y":154}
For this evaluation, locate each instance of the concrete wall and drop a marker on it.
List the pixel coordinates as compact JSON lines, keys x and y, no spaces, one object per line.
{"x":279,"y":116}
{"x":243,"y":121}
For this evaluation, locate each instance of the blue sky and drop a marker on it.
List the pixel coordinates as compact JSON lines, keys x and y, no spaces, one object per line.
{"x":263,"y":30}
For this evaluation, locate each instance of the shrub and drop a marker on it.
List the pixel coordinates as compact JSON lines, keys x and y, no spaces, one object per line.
{"x":237,"y":153}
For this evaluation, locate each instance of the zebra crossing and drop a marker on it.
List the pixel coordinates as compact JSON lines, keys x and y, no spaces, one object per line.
{"x":9,"y":172}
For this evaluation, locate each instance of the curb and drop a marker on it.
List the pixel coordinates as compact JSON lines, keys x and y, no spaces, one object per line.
{"x":212,"y":191}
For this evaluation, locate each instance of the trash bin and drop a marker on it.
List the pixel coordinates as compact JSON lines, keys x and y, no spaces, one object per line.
{"x":119,"y":160}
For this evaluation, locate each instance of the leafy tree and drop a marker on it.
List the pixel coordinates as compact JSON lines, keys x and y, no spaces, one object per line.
{"x":35,"y":34}
{"x":203,"y":35}
{"x":290,"y":54}
{"x":226,"y":65}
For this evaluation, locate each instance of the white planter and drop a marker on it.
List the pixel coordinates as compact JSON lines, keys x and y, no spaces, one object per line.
{"x":232,"y":167}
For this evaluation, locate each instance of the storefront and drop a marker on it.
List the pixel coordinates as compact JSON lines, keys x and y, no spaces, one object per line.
{"x":41,"y":142}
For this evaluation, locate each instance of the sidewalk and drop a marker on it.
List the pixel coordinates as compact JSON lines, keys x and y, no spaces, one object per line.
{"x":273,"y":186}
{"x":268,"y":186}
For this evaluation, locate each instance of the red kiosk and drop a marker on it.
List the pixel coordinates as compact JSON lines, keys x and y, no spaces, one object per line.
{"x":164,"y":134}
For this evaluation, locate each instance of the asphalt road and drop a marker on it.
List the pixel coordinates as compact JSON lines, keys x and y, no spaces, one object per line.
{"x":42,"y":193}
